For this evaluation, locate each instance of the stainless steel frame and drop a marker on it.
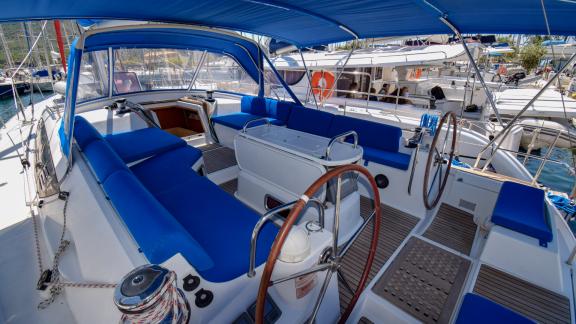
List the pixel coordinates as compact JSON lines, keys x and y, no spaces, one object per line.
{"x":248,"y":123}
{"x":340,"y":138}
{"x":267,"y":217}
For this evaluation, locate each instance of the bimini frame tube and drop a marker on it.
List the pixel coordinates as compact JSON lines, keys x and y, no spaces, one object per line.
{"x":476,"y":69}
{"x":508,"y":127}
{"x":309,"y":77}
{"x":284,"y":84}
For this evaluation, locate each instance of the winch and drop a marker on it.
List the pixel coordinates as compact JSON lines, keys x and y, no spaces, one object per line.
{"x":149,"y":294}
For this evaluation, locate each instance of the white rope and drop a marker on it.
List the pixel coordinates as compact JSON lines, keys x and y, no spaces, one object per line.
{"x":168,"y":306}
{"x":305,"y":198}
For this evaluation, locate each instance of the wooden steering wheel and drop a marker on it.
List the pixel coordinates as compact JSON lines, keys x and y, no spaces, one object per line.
{"x":333,"y":261}
{"x":437,"y":158}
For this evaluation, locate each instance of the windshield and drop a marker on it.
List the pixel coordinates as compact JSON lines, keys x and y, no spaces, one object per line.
{"x":149,"y":69}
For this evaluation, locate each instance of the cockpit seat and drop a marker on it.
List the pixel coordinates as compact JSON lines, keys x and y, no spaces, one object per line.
{"x":380,"y":142}
{"x":169,"y":208}
{"x":252,"y":108}
{"x":143,"y":143}
{"x":522,"y":209}
{"x":476,"y":309}
{"x":219,"y":222}
{"x":130,"y":146}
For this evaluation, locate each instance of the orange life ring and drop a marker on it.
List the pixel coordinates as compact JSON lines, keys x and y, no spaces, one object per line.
{"x":418,"y":74}
{"x":502,"y":70}
{"x":322,"y":83}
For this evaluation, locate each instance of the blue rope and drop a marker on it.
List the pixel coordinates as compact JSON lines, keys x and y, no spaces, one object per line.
{"x":563,"y":203}
{"x":429,"y":121}
{"x":458,"y":163}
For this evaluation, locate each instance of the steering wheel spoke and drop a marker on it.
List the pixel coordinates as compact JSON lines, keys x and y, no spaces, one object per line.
{"x":321,"y":296}
{"x":317,"y":268}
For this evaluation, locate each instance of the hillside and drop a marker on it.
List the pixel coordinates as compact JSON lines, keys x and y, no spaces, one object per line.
{"x":16,"y":40}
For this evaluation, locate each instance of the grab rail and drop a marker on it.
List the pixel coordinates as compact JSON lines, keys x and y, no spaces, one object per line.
{"x":341,"y":138}
{"x":263,"y":119}
{"x":266,"y":217}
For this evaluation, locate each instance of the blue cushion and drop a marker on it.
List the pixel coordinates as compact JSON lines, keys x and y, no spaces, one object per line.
{"x":479,"y":310}
{"x":157,"y":233}
{"x":238,"y":120}
{"x":278,"y":109}
{"x":143,"y":143}
{"x":522,"y":209}
{"x":103,"y":160}
{"x":310,"y":121}
{"x":171,"y":165}
{"x":371,"y":134}
{"x":206,"y":212}
{"x":84,"y":132}
{"x":220,"y":223}
{"x":253,"y":105}
{"x":392,"y":159}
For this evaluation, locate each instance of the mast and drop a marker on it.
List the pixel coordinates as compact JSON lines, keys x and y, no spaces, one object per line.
{"x":60,"y":44}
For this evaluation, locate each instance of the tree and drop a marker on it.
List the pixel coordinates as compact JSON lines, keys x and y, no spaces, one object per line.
{"x":530,"y":56}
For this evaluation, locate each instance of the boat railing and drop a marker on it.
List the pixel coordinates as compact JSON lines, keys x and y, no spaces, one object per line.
{"x":537,"y":131}
{"x":368,"y":97}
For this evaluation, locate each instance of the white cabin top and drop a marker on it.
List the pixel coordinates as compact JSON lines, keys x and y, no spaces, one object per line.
{"x":391,"y":56}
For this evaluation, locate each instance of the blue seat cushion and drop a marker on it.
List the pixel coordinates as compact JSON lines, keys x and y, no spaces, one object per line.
{"x":158,"y":234}
{"x":479,"y":310}
{"x":238,"y":120}
{"x":278,"y":109}
{"x":84,"y":132}
{"x":163,"y":171}
{"x":392,"y":159}
{"x":217,"y":221}
{"x":103,"y":160}
{"x":310,"y":121}
{"x":370,"y":134}
{"x":143,"y":143}
{"x":253,"y":105}
{"x":522,"y":209}
{"x":220,"y":223}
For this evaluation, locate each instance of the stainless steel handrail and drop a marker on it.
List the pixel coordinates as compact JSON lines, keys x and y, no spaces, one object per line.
{"x":263,"y":119}
{"x":340,"y":138}
{"x":269,"y":215}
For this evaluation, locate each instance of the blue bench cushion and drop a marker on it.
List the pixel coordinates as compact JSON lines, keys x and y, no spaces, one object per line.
{"x":310,"y":121}
{"x":84,"y":132}
{"x":143,"y":143}
{"x":479,"y":310}
{"x":522,"y":209}
{"x":279,"y":110}
{"x":253,"y":105}
{"x":238,"y":120}
{"x":370,"y":134}
{"x":219,"y":222}
{"x":392,"y":159}
{"x":103,"y":160}
{"x":157,"y":233}
{"x":170,"y":165}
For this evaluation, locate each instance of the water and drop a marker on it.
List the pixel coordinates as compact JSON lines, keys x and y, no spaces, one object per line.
{"x":555,"y":176}
{"x":8,"y":110}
